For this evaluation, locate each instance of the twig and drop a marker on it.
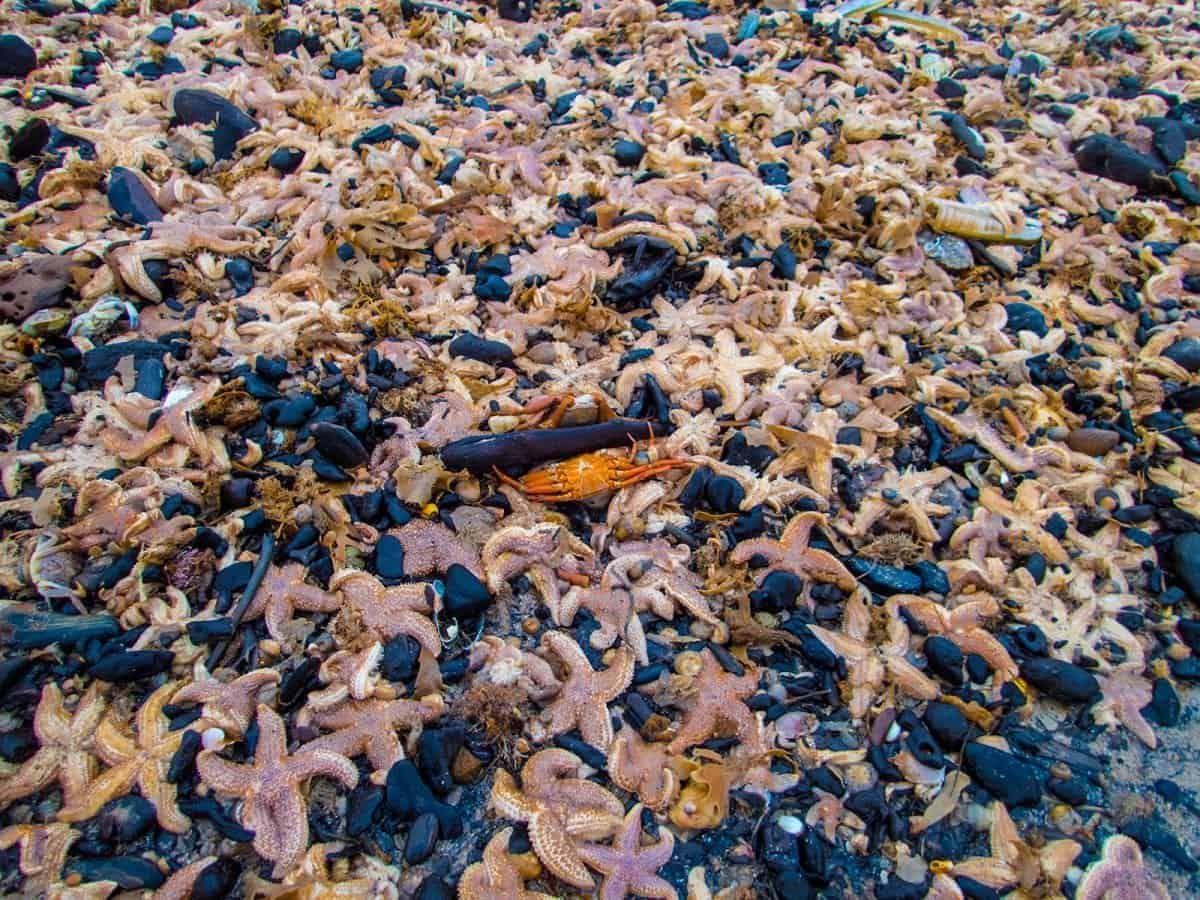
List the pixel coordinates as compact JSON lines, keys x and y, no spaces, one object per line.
{"x":260,"y":571}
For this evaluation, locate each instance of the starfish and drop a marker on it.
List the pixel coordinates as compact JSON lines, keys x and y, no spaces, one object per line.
{"x":497,"y":875}
{"x":907,"y":494}
{"x":281,"y":593}
{"x":792,"y":553}
{"x":558,"y":807}
{"x":658,"y":578}
{"x":174,"y":424}
{"x":873,"y":663}
{"x":228,"y":705}
{"x":1025,"y":516}
{"x":498,"y":662}
{"x":370,"y":726}
{"x":183,"y":881}
{"x":1120,"y":874}
{"x":43,"y":852}
{"x":110,"y":511}
{"x":65,"y":752}
{"x":720,"y":697}
{"x":272,"y":806}
{"x":311,"y":879}
{"x":981,"y":536}
{"x":628,"y":867}
{"x":1126,"y":692}
{"x":642,"y":768}
{"x":389,"y":611}
{"x":431,"y":547}
{"x":1014,"y":862}
{"x":348,"y":674}
{"x":538,"y":553}
{"x":614,"y":610}
{"x":964,"y":626}
{"x":143,"y":762}
{"x":585,"y":694}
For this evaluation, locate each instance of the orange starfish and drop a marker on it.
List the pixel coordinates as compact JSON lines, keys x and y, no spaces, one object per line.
{"x":228,"y":705}
{"x":906,"y":495}
{"x":143,"y":762}
{"x":272,"y":806}
{"x":183,"y":881}
{"x":628,"y":867}
{"x":1036,"y":873}
{"x":175,"y":424}
{"x":641,"y":767}
{"x":558,"y":807}
{"x":719,"y":699}
{"x":43,"y":852}
{"x":389,"y":611}
{"x":282,"y":592}
{"x":614,"y":610}
{"x":964,"y":626}
{"x":370,"y":726}
{"x":792,"y":553}
{"x":585,"y":694}
{"x":312,"y":880}
{"x":65,"y":751}
{"x":497,"y":876}
{"x":1126,"y":692}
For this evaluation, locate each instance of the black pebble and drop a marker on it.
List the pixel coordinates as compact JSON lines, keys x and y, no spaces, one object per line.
{"x":408,"y":797}
{"x":1061,"y":680}
{"x":126,"y":818}
{"x":362,"y":808}
{"x":436,"y":750}
{"x":777,"y":592}
{"x":628,"y":153}
{"x":466,"y":596}
{"x":882,"y":578}
{"x":217,"y":880}
{"x":1153,"y":835}
{"x":28,"y":140}
{"x":287,"y":40}
{"x":400,"y":656}
{"x":1107,"y":157}
{"x":1010,"y":780}
{"x":151,"y":378}
{"x":131,"y":665}
{"x":17,"y":58}
{"x":290,"y":412}
{"x":131,"y":873}
{"x":10,"y":186}
{"x":1031,"y":640}
{"x":129,"y":199}
{"x":434,"y":887}
{"x":1023,"y":317}
{"x":422,"y":838}
{"x":724,"y":495}
{"x":389,"y":557}
{"x":783,"y":261}
{"x":1069,"y":790}
{"x":1185,"y":559}
{"x":494,"y":353}
{"x":933,"y":577}
{"x":947,"y":724}
{"x":945,"y":658}
{"x":1164,"y":703}
{"x":347,"y":60}
{"x":285,"y":160}
{"x":339,"y":444}
{"x":387,"y":81}
{"x":1185,"y":352}
{"x":194,"y":106}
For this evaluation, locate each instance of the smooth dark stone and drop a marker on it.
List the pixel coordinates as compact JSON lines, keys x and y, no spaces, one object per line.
{"x":27,"y":630}
{"x":628,"y":153}
{"x":129,"y":199}
{"x":131,"y":873}
{"x":408,"y":797}
{"x":1023,"y":317}
{"x":1061,"y":680}
{"x":1185,"y":352}
{"x":339,"y":444}
{"x":290,"y":412}
{"x":151,"y":378}
{"x":944,"y":658}
{"x":1002,"y":774}
{"x":17,"y":58}
{"x":1107,"y":157}
{"x":466,"y":596}
{"x":1185,"y":559}
{"x":434,"y":887}
{"x":286,"y":40}
{"x":494,"y":353}
{"x":1153,"y":835}
{"x":724,"y":495}
{"x":132,"y":665}
{"x":207,"y":807}
{"x":777,"y":592}
{"x":933,"y":577}
{"x":400,"y":657}
{"x":882,"y":578}
{"x":346,"y":60}
{"x":947,"y":724}
{"x":162,"y":35}
{"x":436,"y":750}
{"x":194,"y":106}
{"x":10,"y":185}
{"x":362,"y":808}
{"x":1069,"y":790}
{"x":217,"y":880}
{"x":1031,"y":640}
{"x":183,"y":762}
{"x":296,"y":684}
{"x":783,"y":261}
{"x":490,"y":286}
{"x":780,"y":850}
{"x":28,"y":140}
{"x":285,"y":160}
{"x":1186,"y":669}
{"x":126,"y":818}
{"x":1035,"y":564}
{"x":240,"y":273}
{"x":422,"y":838}
{"x":387,"y":83}
{"x":389,"y":557}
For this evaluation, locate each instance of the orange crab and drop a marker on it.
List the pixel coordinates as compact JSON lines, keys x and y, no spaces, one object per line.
{"x":587,"y":475}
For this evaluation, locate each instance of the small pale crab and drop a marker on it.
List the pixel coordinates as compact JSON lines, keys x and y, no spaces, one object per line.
{"x":103,"y":313}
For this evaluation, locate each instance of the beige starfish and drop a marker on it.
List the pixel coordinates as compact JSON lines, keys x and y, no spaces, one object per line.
{"x":614,"y":610}
{"x":175,"y":424}
{"x":282,"y":592}
{"x":389,"y":611}
{"x":497,"y":876}
{"x":642,"y":768}
{"x":538,"y":553}
{"x":142,"y":761}
{"x":431,"y":547}
{"x":1014,"y":862}
{"x":347,"y":674}
{"x":498,"y":662}
{"x":228,"y":705}
{"x":792,"y":553}
{"x":628,"y":867}
{"x":558,"y":806}
{"x":272,"y":806}
{"x":312,"y":880}
{"x":657,"y":576}
{"x":370,"y":726}
{"x":1125,"y":693}
{"x":43,"y":852}
{"x":964,"y":626}
{"x":183,"y":881}
{"x":585,"y":694}
{"x":1120,"y":874}
{"x":65,"y":751}
{"x":1025,"y":517}
{"x":719,"y":699}
{"x":906,"y":495}
{"x":125,"y":512}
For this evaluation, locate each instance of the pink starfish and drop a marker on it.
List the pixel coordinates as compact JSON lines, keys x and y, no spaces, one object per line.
{"x":370,"y":726}
{"x":792,"y":553}
{"x":389,"y":611}
{"x":627,"y":866}
{"x":282,"y":592}
{"x":431,"y":547}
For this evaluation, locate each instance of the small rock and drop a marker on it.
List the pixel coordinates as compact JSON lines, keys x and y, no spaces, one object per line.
{"x":944,"y":658}
{"x":947,"y":724}
{"x":1060,"y":679}
{"x":339,"y":444}
{"x":362,"y":808}
{"x":494,"y":353}
{"x":389,"y":557}
{"x":1092,"y":441}
{"x":778,"y":592}
{"x":131,"y":665}
{"x":422,"y":838}
{"x":162,"y":35}
{"x":933,"y":577}
{"x":131,"y":873}
{"x":38,"y":284}
{"x":1107,"y":157}
{"x":17,"y":58}
{"x":286,"y":40}
{"x":126,"y":819}
{"x":28,"y":140}
{"x":1069,"y":790}
{"x":1023,"y":317}
{"x":724,"y":494}
{"x":193,"y":106}
{"x":400,"y":657}
{"x":290,"y":412}
{"x":882,"y":578}
{"x":1185,"y":557}
{"x":628,"y":153}
{"x":387,"y":82}
{"x":217,"y":880}
{"x":466,"y":596}
{"x":1010,"y":780}
{"x":10,"y":185}
{"x":347,"y":60}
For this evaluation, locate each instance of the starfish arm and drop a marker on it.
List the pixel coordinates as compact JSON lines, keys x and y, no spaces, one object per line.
{"x":647,"y":885}
{"x":181,"y":884}
{"x":112,"y":744}
{"x":495,"y":856}
{"x":384,"y":750}
{"x":764,"y":547}
{"x":612,"y":682}
{"x":635,"y":637}
{"x":310,"y":598}
{"x":113,"y":783}
{"x":280,"y":828}
{"x":51,"y":722}
{"x":279,"y":611}
{"x":162,"y":794}
{"x":556,"y":851}
{"x":582,"y":794}
{"x":419,"y":628}
{"x":198,"y":692}
{"x":507,"y":800}
{"x":911,"y":680}
{"x":824,"y":566}
{"x":76,"y":771}
{"x":307,"y":764}
{"x":224,"y":776}
{"x":604,"y":860}
{"x":151,"y":723}
{"x":88,"y":713}
{"x":35,"y":773}
{"x":563,"y":715}
{"x":696,"y":728}
{"x":272,"y":738}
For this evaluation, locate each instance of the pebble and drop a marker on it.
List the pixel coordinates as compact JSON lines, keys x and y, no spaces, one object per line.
{"x":28,"y":140}
{"x":933,"y":578}
{"x":162,"y":35}
{"x":389,"y":557}
{"x":387,"y":82}
{"x":1010,"y":780}
{"x":17,"y":58}
{"x":1069,"y":790}
{"x":778,"y":592}
{"x":1108,"y":157}
{"x":217,"y":880}
{"x":290,"y":412}
{"x":339,"y":445}
{"x":400,"y":657}
{"x":10,"y":185}
{"x":1185,"y":559}
{"x":131,"y":873}
{"x":422,"y":838}
{"x":947,"y":724}
{"x":434,"y":887}
{"x":724,"y":494}
{"x":436,"y":749}
{"x":1185,"y":352}
{"x":131,"y":665}
{"x":409,"y":797}
{"x":285,"y":160}
{"x":194,"y":106}
{"x":1061,"y":680}
{"x":466,"y":596}
{"x":494,"y":353}
{"x":346,"y":60}
{"x":1023,"y":317}
{"x":38,"y":284}
{"x":882,"y":578}
{"x":628,"y":153}
{"x":126,"y":818}
{"x":1092,"y":441}
{"x":362,"y":808}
